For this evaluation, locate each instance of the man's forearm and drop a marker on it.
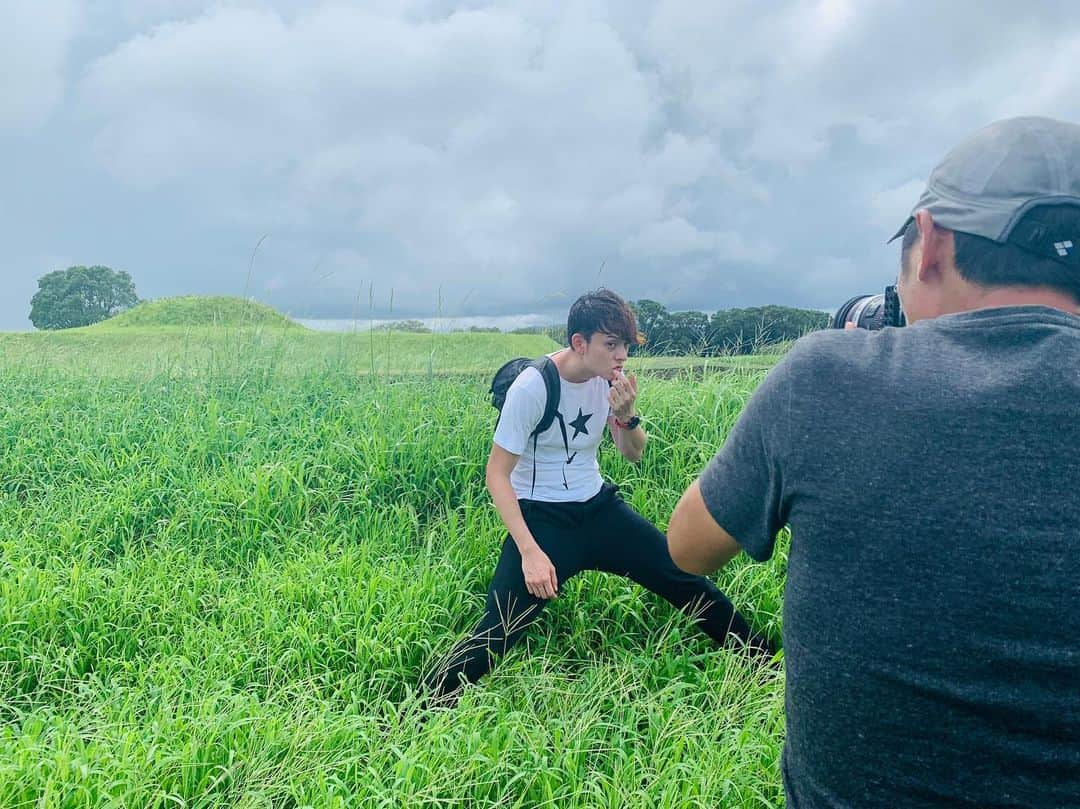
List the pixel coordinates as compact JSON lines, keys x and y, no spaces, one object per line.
{"x":632,"y":442}
{"x":506,"y":503}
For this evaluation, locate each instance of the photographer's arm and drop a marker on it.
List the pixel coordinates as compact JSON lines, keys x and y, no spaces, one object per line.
{"x":540,"y":577}
{"x":742,"y":492}
{"x":696,"y":542}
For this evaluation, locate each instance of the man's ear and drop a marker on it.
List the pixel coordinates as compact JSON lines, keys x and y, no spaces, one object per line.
{"x":578,"y":342}
{"x":933,"y":247}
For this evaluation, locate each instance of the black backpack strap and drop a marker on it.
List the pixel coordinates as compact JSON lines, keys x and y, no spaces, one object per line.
{"x":550,"y":372}
{"x":566,"y":448}
{"x":535,"y":436}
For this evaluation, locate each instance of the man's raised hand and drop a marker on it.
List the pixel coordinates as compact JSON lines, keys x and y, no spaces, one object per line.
{"x":622,"y":395}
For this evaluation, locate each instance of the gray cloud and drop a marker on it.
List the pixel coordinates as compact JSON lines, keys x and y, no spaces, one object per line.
{"x":33,"y":60}
{"x":491,"y":159}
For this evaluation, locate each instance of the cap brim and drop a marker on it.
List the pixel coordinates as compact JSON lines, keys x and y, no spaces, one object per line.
{"x":900,"y":232}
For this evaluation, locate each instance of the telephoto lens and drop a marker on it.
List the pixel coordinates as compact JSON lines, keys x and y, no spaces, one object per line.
{"x":870,"y":312}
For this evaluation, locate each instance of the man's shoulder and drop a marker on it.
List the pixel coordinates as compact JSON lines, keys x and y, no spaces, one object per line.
{"x":529,"y":383}
{"x":832,"y":342}
{"x":529,"y":377}
{"x":824,"y":361}
{"x":822,"y":351}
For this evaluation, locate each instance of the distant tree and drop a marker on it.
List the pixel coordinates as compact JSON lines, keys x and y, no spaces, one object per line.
{"x":405,"y":325}
{"x":484,"y":329}
{"x":654,"y":321}
{"x":689,"y":332}
{"x":555,"y":331}
{"x":743,"y":331}
{"x":80,"y":296}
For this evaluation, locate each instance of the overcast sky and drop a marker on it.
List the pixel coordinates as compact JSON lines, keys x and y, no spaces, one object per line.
{"x":492,"y":159}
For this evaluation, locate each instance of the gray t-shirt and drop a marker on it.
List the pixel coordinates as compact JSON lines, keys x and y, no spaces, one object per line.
{"x":930,"y":477}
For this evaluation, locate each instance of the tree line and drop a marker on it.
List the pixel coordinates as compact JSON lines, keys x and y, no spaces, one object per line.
{"x":726,"y":331}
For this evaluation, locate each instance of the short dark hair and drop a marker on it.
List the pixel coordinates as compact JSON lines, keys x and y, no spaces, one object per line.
{"x":993,"y":264}
{"x":605,"y":311}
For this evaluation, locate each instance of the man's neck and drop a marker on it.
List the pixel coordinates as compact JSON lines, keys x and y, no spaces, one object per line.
{"x":992,"y":297}
{"x":571,"y":366}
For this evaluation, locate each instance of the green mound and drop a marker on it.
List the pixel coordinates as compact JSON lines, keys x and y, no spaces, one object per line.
{"x":201,"y":310}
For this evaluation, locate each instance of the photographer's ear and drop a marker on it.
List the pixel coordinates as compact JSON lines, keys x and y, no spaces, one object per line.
{"x":932,"y":247}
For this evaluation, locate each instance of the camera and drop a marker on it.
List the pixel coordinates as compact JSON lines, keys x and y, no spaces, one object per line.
{"x":870,"y":312}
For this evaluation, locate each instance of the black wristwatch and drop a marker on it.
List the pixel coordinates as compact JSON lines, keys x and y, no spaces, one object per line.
{"x":630,"y":425}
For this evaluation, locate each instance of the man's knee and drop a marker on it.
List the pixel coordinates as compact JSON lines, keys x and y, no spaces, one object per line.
{"x":696,"y":593}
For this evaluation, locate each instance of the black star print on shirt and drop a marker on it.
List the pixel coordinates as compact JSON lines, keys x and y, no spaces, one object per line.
{"x":579,"y":423}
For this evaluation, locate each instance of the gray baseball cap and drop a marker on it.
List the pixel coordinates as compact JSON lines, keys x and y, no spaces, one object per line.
{"x":989,"y":182}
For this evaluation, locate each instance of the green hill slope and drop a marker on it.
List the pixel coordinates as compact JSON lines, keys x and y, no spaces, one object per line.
{"x":199,"y":310}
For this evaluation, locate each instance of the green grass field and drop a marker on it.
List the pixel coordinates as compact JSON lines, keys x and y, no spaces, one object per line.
{"x":135,"y":351}
{"x":227,"y":556}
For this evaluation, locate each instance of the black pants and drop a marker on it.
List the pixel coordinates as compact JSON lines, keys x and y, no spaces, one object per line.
{"x":602,"y":533}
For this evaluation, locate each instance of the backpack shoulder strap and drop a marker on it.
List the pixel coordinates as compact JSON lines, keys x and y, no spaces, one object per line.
{"x":550,"y":373}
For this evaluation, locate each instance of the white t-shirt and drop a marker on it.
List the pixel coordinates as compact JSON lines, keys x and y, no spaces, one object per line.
{"x":584,"y":407}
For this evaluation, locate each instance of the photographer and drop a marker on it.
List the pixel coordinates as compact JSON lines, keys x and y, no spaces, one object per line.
{"x":562,"y":517}
{"x":929,"y":477}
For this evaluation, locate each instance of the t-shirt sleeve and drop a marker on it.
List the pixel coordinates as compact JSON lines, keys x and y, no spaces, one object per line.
{"x":743,"y":486}
{"x":521,"y":412}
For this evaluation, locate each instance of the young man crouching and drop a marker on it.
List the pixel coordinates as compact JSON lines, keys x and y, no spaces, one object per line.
{"x":561,"y":516}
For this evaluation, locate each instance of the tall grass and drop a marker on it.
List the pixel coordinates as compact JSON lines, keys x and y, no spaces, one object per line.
{"x":223,"y":576}
{"x":194,"y":351}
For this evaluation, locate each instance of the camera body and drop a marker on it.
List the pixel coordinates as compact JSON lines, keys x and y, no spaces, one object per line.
{"x":870,"y":312}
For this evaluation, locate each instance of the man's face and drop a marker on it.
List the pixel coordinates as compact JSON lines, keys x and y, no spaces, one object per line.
{"x":605,"y":354}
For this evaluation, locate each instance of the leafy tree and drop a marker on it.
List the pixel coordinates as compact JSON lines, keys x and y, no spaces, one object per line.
{"x":743,"y":331}
{"x":555,"y":331}
{"x":671,"y":332}
{"x":80,"y":296}
{"x":689,"y":332}
{"x":654,"y":321}
{"x":415,"y":326}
